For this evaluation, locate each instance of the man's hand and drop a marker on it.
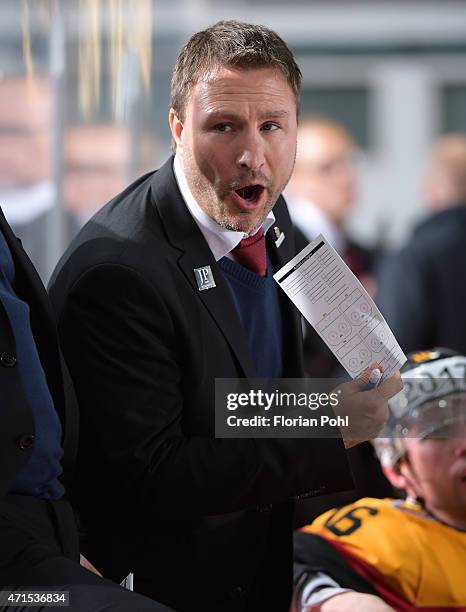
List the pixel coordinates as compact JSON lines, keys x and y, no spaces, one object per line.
{"x":351,"y":601}
{"x":88,"y":565}
{"x":367,"y":410}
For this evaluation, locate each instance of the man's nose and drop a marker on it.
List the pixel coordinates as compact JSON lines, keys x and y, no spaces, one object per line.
{"x":251,"y":153}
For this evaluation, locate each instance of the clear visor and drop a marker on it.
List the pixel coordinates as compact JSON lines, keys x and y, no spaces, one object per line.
{"x":444,"y":417}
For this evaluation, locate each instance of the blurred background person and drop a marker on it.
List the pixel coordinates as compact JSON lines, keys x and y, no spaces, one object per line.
{"x":384,"y":555}
{"x":96,"y":158}
{"x":323,"y":190}
{"x":27,"y":191}
{"x":422,"y":288}
{"x":96,"y":162}
{"x":321,"y":197}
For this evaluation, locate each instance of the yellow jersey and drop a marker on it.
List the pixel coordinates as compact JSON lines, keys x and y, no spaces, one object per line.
{"x":400,"y":549}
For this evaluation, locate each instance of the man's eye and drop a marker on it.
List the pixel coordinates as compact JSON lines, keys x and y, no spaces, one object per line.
{"x":269,"y":127}
{"x":222,"y":127}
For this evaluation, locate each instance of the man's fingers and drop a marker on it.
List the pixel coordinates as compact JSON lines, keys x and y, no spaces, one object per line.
{"x":390,"y":386}
{"x":386,"y":389}
{"x":366,"y":407}
{"x":362,"y":381}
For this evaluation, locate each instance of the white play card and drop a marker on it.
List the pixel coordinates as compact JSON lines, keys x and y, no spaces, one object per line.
{"x":338,"y":307}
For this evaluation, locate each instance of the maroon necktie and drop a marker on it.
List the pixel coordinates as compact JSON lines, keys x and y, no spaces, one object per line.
{"x":250,"y":253}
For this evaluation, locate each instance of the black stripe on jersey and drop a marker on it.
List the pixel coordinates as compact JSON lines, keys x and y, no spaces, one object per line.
{"x":313,"y":553}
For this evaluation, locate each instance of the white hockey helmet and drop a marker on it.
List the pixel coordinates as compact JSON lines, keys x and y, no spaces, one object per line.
{"x":432,"y":402}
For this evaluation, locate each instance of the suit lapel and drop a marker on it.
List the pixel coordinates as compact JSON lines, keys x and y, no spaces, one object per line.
{"x":279,"y":256}
{"x":185,"y":235}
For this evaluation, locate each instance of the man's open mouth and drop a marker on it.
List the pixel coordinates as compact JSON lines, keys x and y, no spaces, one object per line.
{"x":250,"y":193}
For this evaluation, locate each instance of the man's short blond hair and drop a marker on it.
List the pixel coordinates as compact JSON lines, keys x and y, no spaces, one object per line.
{"x":230,"y":44}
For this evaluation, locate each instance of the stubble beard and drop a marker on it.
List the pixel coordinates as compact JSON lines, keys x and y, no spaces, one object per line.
{"x":214,"y":205}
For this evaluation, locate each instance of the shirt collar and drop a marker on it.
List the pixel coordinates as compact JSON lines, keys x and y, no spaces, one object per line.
{"x":221,"y":241}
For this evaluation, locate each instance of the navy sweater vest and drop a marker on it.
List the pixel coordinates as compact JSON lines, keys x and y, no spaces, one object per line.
{"x":257,"y":302}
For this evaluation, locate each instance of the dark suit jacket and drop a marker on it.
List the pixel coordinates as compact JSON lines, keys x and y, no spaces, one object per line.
{"x":422,"y":289}
{"x":16,"y":420}
{"x":183,"y":510}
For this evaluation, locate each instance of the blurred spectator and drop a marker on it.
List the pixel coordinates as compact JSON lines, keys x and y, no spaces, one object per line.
{"x":422,"y":289}
{"x":323,"y":190}
{"x":27,"y":191}
{"x":96,"y":167}
{"x":321,"y":196}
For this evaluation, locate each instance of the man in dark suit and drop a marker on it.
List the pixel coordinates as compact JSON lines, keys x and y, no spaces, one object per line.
{"x":39,"y":547}
{"x":166,"y":289}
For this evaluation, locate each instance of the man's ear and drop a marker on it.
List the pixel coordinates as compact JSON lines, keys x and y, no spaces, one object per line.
{"x":176,"y":128}
{"x":395,"y":475}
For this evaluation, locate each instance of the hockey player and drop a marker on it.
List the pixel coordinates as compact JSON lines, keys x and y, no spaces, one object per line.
{"x":380,"y":555}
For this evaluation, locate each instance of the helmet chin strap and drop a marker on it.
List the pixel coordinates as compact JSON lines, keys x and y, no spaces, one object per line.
{"x":415,"y":501}
{"x":412,"y":482}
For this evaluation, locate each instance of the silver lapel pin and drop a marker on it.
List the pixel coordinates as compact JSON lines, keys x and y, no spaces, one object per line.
{"x":204,"y":278}
{"x":279,"y":236}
